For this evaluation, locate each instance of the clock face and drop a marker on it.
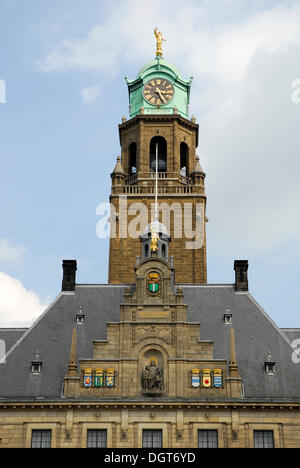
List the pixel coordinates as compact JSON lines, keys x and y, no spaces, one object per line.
{"x":158,"y":92}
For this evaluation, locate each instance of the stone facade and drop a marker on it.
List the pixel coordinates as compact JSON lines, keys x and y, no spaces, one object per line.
{"x":174,"y":190}
{"x":235,"y":422}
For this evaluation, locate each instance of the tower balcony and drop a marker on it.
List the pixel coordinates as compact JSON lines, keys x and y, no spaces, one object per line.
{"x":162,"y":176}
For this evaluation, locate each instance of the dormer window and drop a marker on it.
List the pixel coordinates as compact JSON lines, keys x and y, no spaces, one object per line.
{"x":80,"y":318}
{"x":270,"y":365}
{"x":36,"y":365}
{"x":228,"y":317}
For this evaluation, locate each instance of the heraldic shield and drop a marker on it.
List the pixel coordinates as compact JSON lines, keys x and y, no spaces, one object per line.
{"x":218,"y":379}
{"x":88,"y":378}
{"x":110,"y":378}
{"x":153,"y":283}
{"x":206,"y":378}
{"x":99,"y":378}
{"x":195,"y":378}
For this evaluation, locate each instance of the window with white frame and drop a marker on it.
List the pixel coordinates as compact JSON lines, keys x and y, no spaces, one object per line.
{"x":80,"y":318}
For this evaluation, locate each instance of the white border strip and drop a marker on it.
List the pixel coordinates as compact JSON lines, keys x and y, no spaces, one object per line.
{"x":102,"y":285}
{"x":204,"y":286}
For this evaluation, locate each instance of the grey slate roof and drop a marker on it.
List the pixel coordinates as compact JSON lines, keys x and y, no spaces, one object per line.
{"x":8,"y":337}
{"x":292,"y":333}
{"x":256,"y":336}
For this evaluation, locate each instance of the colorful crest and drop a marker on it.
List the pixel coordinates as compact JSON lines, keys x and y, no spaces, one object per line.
{"x":110,"y":378}
{"x":88,"y":378}
{"x":153,"y":283}
{"x":99,"y":378}
{"x":218,"y":378}
{"x":195,"y":378}
{"x":206,"y":378}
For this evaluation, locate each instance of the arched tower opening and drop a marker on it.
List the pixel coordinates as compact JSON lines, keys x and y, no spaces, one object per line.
{"x":132,"y":158}
{"x":162,"y":154}
{"x":184,"y":158}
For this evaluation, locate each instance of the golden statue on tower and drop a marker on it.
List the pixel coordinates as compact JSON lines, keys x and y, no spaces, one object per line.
{"x":159,"y":41}
{"x":154,"y":240}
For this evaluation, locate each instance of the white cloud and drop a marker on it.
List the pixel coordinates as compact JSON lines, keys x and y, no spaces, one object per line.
{"x":10,"y":252}
{"x":223,"y":51}
{"x":253,"y":165}
{"x":244,"y":62}
{"x":214,"y":44}
{"x":18,"y":306}
{"x":90,"y":94}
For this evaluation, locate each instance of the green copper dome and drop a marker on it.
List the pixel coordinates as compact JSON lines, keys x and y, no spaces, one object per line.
{"x":162,"y":78}
{"x":159,"y":64}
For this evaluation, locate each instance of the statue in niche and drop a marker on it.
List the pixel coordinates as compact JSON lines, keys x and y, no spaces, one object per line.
{"x":152,"y":377}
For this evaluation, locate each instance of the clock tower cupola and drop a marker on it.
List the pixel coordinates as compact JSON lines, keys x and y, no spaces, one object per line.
{"x":159,"y":89}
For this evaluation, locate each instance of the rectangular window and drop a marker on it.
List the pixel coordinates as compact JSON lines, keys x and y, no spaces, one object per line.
{"x":207,"y":439}
{"x":263,"y":439}
{"x":80,"y":319}
{"x":41,"y":439}
{"x":152,"y":438}
{"x":96,"y":438}
{"x":35,"y":368}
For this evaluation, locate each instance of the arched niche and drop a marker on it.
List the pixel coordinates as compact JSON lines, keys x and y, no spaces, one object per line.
{"x":152,"y":371}
{"x":162,"y":154}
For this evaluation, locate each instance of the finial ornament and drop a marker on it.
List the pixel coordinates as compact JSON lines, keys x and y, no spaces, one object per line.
{"x":159,"y":41}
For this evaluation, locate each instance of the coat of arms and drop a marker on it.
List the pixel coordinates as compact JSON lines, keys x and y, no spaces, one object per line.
{"x":110,"y":378}
{"x":99,"y":378}
{"x":218,"y":379}
{"x":153,"y":283}
{"x":195,"y":378}
{"x":88,"y":378}
{"x":206,"y":378}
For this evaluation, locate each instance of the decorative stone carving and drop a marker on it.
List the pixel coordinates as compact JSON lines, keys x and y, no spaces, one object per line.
{"x":152,"y":379}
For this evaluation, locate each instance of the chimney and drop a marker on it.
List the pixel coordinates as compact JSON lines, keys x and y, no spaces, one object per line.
{"x":69,"y":275}
{"x":241,"y":275}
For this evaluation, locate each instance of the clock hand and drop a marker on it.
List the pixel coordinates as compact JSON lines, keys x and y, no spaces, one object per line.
{"x":161,"y":96}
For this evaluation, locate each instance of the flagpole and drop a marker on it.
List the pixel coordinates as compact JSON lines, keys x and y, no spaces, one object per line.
{"x":156,"y":174}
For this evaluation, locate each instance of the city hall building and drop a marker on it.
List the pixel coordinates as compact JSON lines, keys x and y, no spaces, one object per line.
{"x":157,"y":357}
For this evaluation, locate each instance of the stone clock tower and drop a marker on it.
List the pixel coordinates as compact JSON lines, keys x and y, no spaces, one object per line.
{"x":159,"y":128}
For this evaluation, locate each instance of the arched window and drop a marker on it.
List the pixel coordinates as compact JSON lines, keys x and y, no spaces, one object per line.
{"x":163,"y":250}
{"x":184,"y":158}
{"x":146,"y":250}
{"x":132,"y":159}
{"x":162,"y":154}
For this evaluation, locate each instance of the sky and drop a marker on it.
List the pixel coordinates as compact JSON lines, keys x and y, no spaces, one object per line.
{"x":63,"y":94}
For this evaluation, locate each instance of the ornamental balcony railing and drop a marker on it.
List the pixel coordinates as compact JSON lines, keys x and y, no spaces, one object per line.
{"x":160,"y":175}
{"x":162,"y":190}
{"x":169,"y":260}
